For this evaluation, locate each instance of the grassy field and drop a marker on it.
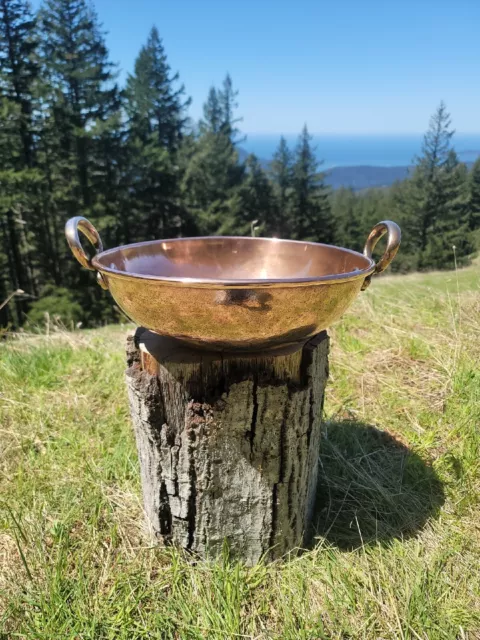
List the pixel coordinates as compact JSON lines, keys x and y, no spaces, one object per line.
{"x":398,"y":547}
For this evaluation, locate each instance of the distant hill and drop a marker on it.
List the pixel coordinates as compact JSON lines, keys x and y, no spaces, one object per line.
{"x":468,"y":155}
{"x":361,"y":177}
{"x":365,"y":176}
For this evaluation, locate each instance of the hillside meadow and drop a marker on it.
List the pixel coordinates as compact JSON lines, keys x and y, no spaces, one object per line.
{"x":397,"y":551}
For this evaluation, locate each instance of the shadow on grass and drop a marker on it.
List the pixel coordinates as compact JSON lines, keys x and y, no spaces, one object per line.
{"x":371,"y":487}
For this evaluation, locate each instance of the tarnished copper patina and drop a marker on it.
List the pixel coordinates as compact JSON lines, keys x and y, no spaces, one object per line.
{"x":233,"y":292}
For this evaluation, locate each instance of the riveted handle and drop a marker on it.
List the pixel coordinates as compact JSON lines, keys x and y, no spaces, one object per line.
{"x":73,"y":226}
{"x":393,"y":242}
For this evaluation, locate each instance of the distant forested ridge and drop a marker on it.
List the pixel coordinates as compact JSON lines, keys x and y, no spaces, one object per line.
{"x":74,"y":142}
{"x":365,"y":177}
{"x":356,"y":177}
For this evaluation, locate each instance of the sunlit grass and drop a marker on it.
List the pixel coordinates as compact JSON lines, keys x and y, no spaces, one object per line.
{"x":397,"y":552}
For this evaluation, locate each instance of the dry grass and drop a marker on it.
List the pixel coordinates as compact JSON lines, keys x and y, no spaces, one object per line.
{"x":398,"y":546}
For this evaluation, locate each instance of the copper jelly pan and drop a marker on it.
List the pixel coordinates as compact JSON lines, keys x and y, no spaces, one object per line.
{"x":233,"y":292}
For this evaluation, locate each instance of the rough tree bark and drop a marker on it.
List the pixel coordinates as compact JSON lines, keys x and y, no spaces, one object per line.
{"x":228,"y":445}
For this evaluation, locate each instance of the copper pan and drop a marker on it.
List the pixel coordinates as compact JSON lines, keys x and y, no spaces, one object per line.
{"x":233,"y":292}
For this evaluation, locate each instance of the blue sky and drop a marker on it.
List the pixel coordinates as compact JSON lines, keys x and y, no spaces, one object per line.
{"x":341,"y":66}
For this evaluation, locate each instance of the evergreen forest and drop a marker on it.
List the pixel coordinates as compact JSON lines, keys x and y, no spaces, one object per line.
{"x":132,"y":160}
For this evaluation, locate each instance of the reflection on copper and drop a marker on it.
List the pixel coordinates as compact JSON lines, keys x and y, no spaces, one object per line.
{"x":234,"y":293}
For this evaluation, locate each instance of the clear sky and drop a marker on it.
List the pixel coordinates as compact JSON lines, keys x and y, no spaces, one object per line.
{"x":341,"y":66}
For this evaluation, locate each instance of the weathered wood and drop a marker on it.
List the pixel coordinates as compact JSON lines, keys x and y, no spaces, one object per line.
{"x":228,"y":444}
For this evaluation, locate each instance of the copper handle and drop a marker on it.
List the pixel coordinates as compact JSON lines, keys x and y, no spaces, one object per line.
{"x":393,"y":242}
{"x":73,"y":226}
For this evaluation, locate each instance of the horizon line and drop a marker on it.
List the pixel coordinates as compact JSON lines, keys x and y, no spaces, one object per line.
{"x":352,"y":133}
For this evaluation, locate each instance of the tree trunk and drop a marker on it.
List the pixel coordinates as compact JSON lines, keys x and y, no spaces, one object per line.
{"x":228,"y":444}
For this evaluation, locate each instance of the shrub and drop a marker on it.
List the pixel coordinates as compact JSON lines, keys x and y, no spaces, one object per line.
{"x":58,"y":304}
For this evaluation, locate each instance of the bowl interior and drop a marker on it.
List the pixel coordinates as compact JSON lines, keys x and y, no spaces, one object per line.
{"x":220,"y":258}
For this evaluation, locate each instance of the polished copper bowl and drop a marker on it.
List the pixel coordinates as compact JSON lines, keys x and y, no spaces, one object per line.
{"x":233,"y":292}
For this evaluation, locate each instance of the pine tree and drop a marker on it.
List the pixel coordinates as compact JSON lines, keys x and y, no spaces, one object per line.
{"x":18,"y":178}
{"x":156,"y":106}
{"x":227,"y":102}
{"x":430,"y":170}
{"x":19,"y":68}
{"x":157,"y":123}
{"x":256,"y":201}
{"x":212,"y":114}
{"x":80,"y":78}
{"x":213,"y":173}
{"x":438,"y":193}
{"x":311,"y":216}
{"x":374,"y":206}
{"x":210,"y":184}
{"x":281,"y":176}
{"x":79,"y":149}
{"x":474,"y":199}
{"x":450,"y":238}
{"x":346,"y":213}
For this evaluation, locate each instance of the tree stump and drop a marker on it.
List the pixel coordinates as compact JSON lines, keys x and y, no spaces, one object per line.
{"x":228,"y":443}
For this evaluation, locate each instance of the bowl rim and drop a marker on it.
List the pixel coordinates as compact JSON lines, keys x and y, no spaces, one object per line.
{"x":234,"y":282}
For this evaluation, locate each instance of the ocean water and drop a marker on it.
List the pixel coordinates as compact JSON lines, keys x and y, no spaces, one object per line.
{"x":354,"y":150}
